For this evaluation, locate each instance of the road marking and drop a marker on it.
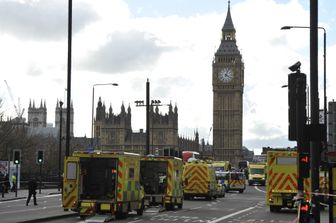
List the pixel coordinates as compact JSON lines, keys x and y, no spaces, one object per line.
{"x":135,"y":221}
{"x":231,"y":215}
{"x":257,"y":188}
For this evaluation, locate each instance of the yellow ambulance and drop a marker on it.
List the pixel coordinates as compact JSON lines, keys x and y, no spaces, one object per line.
{"x":103,"y":182}
{"x":161,"y":177}
{"x":199,"y":180}
{"x":281,"y":186}
{"x":257,"y":173}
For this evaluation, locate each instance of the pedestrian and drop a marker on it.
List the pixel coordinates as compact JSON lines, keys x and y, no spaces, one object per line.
{"x":7,"y":184}
{"x":2,"y":185}
{"x":32,"y":186}
{"x":13,"y":189}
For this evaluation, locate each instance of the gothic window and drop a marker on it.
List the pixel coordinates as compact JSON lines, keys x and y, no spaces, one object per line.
{"x":97,"y":131}
{"x":160,"y":137}
{"x":35,"y":122}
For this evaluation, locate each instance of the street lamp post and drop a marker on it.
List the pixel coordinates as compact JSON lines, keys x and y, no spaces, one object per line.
{"x":148,"y":105}
{"x":60,"y":147}
{"x":315,"y":152}
{"x":324,"y":65}
{"x":112,"y":84}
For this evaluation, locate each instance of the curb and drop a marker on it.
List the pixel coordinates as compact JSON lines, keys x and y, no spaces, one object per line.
{"x":46,"y":219}
{"x":12,"y":199}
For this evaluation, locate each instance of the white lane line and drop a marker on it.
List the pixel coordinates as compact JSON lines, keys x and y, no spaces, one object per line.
{"x":195,"y":208}
{"x":135,"y":221}
{"x":231,"y":215}
{"x":257,"y":188}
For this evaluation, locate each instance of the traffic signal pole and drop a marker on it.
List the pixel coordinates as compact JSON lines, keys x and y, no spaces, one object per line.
{"x":16,"y":174}
{"x":315,"y":148}
{"x":147,"y":116}
{"x":40,"y":177}
{"x":300,"y":128}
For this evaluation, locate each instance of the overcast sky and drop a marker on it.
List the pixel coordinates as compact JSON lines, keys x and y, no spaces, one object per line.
{"x":170,"y":42}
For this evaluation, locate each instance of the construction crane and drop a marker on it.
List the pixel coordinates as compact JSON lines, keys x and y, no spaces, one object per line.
{"x":19,"y":112}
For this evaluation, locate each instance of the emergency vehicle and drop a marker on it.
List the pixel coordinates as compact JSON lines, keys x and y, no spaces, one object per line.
{"x":257,"y":173}
{"x":222,"y":165}
{"x":103,"y":182}
{"x":162,"y":180}
{"x":232,"y":181}
{"x":199,"y":180}
{"x":281,"y":186}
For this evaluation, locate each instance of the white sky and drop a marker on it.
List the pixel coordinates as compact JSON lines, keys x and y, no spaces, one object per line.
{"x":170,"y":42}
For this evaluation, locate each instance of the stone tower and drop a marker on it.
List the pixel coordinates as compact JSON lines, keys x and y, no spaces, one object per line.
{"x":37,"y":116}
{"x":112,"y":130}
{"x":164,"y":128}
{"x":64,"y":117}
{"x":228,"y":86}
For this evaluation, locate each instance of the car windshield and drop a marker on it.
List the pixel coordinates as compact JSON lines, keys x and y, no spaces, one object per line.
{"x":237,"y":176}
{"x":221,"y":175}
{"x":256,"y":171}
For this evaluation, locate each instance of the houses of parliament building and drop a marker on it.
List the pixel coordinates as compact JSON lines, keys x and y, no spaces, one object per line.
{"x":114,"y":131}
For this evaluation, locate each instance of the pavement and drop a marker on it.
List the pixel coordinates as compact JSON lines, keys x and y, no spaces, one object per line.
{"x":22,"y":195}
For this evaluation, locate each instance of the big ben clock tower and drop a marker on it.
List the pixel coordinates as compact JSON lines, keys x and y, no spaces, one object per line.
{"x":228,"y":87}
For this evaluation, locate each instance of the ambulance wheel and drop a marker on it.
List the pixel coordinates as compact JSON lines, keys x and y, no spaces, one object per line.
{"x":121,"y":215}
{"x":179,"y":206}
{"x":141,"y":210}
{"x":169,"y":206}
{"x":274,"y":208}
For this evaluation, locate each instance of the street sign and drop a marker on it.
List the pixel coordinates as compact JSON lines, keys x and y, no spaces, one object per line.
{"x":321,"y":116}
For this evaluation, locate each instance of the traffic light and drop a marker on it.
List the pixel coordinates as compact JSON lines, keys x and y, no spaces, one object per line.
{"x":304,"y":165}
{"x":304,"y":211}
{"x":17,"y":156}
{"x":40,"y":159}
{"x":295,"y":83}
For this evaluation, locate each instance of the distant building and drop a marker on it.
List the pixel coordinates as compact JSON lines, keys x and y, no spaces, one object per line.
{"x":37,"y":116}
{"x":266,"y":149}
{"x":64,"y":117}
{"x":114,"y":131}
{"x":228,"y":88}
{"x":37,"y":120}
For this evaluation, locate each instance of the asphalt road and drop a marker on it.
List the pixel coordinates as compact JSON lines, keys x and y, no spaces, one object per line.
{"x":17,"y":211}
{"x":248,"y":207}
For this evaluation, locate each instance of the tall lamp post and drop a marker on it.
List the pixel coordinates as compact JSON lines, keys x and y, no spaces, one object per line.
{"x":60,"y":147}
{"x":93,"y":86}
{"x":149,"y":105}
{"x":315,"y":156}
{"x":324,"y":65}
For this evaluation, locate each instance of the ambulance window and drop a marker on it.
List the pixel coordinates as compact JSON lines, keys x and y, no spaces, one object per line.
{"x":71,"y":171}
{"x":131,"y":173}
{"x":286,"y":160}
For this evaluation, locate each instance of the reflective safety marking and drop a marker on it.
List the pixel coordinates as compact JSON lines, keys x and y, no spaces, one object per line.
{"x":169,"y":180}
{"x":71,"y":199}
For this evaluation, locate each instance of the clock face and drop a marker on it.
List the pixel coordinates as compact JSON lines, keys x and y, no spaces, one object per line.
{"x":225,"y":75}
